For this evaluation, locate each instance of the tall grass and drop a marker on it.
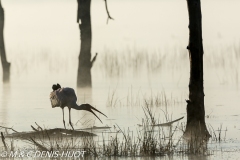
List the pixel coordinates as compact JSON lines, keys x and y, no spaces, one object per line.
{"x":116,"y":64}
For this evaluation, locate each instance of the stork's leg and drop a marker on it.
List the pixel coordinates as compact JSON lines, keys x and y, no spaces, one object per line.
{"x":63,"y":118}
{"x":70,"y":118}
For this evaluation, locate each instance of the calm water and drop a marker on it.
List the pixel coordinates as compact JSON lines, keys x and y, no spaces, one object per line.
{"x":142,"y":56}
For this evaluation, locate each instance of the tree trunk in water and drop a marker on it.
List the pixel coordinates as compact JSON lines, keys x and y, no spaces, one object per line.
{"x":195,"y":105}
{"x":5,"y":63}
{"x":84,"y":67}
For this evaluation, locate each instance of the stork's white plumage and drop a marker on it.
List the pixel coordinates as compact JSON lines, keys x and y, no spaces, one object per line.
{"x":66,"y":97}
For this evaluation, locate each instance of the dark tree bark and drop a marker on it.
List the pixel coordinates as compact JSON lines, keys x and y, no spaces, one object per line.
{"x":84,"y":78}
{"x":5,"y":63}
{"x":195,"y":105}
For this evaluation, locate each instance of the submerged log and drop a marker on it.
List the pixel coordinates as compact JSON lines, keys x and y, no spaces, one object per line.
{"x":56,"y":132}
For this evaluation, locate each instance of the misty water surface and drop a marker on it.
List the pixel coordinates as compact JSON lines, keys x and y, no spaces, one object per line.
{"x":142,"y":55}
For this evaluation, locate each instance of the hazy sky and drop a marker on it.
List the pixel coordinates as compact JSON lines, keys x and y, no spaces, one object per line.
{"x":51,"y":24}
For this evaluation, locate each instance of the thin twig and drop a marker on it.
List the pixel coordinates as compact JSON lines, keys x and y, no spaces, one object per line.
{"x":34,"y":128}
{"x":109,"y":17}
{"x":122,"y":133}
{"x":3,"y":140}
{"x":41,"y":147}
{"x":38,"y":126}
{"x":6,"y":131}
{"x":9,"y":128}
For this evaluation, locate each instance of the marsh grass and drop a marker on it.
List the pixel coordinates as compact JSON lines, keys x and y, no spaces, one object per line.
{"x":151,"y":140}
{"x":146,"y":140}
{"x":116,"y":64}
{"x":135,"y":98}
{"x":130,"y":62}
{"x":222,"y":61}
{"x":218,"y":135}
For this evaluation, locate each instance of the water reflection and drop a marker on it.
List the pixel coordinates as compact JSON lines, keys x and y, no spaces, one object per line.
{"x":5,"y":98}
{"x":84,"y":95}
{"x":197,"y":157}
{"x":87,"y":119}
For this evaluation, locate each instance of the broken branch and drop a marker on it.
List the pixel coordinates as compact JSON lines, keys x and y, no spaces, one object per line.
{"x":94,"y":59}
{"x":109,"y":17}
{"x":9,"y":128}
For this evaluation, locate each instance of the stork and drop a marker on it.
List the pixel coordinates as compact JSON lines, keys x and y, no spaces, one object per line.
{"x":66,"y":97}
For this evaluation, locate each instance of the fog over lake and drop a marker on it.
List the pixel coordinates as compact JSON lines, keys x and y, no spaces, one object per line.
{"x":142,"y":55}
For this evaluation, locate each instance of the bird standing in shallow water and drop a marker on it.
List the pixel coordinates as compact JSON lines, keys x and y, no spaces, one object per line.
{"x":66,"y":97}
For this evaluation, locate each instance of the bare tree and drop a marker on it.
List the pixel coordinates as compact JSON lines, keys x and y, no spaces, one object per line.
{"x":5,"y":63}
{"x":195,"y":105}
{"x":84,"y":78}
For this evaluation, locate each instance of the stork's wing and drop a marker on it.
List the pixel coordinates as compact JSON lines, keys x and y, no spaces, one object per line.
{"x":67,"y":95}
{"x":88,"y":107}
{"x":54,"y":99}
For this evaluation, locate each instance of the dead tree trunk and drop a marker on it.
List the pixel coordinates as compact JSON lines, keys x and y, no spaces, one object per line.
{"x":195,"y":105}
{"x":84,"y":78}
{"x":5,"y":63}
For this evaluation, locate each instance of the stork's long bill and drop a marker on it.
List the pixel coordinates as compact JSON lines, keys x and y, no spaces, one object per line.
{"x":89,"y":108}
